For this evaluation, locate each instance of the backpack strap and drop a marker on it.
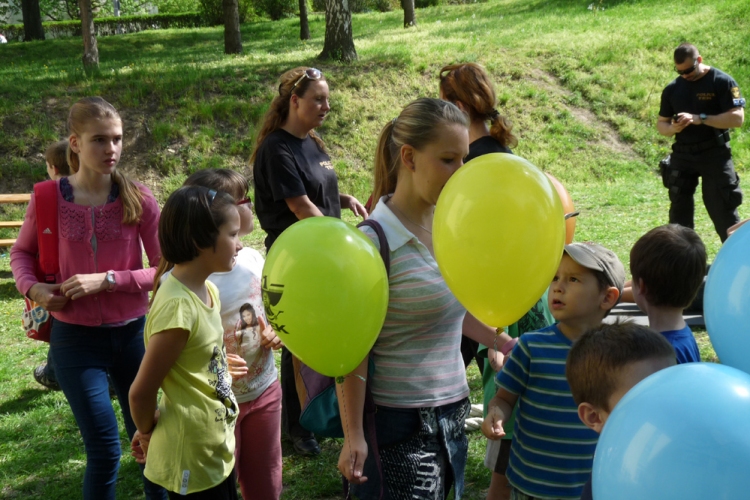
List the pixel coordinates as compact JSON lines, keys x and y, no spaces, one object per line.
{"x":45,"y":197}
{"x":385,"y":250}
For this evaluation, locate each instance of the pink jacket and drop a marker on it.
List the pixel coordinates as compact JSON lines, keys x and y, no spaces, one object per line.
{"x":118,"y":249}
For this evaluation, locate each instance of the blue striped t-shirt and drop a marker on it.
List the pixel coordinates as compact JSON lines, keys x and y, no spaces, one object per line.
{"x":552,"y":451}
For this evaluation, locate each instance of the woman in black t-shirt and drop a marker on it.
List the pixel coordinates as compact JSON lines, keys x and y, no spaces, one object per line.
{"x":294,"y":179}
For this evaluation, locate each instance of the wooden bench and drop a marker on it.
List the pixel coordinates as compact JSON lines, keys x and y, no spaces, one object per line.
{"x":12,"y":198}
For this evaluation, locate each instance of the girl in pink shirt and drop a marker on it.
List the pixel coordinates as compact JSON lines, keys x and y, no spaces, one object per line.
{"x":101,"y":293}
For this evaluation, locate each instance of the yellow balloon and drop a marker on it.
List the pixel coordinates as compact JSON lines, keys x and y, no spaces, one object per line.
{"x":325,"y":292}
{"x":498,"y":233}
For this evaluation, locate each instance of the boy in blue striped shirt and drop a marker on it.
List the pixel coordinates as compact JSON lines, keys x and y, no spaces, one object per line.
{"x":552,"y":450}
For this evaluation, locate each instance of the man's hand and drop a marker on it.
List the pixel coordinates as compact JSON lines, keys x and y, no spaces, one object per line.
{"x":44,"y":295}
{"x":683,"y":120}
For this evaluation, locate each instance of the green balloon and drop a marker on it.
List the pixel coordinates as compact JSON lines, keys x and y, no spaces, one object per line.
{"x":325,"y":292}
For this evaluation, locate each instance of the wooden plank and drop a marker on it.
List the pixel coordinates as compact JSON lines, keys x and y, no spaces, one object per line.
{"x":7,"y":243}
{"x":15,"y":198}
{"x":11,"y":223}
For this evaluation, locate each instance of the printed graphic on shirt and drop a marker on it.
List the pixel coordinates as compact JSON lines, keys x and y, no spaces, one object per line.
{"x":247,"y":341}
{"x":271,"y":296}
{"x":219,"y":368}
{"x":327,"y":165}
{"x":705,"y":96}
{"x":735,"y":92}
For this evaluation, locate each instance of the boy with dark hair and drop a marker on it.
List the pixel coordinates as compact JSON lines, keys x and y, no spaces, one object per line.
{"x":608,"y":361}
{"x":668,"y":265}
{"x":56,"y":156}
{"x":552,"y":451}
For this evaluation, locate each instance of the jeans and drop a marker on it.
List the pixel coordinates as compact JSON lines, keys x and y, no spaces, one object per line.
{"x":84,"y":355}
{"x":423,"y":453}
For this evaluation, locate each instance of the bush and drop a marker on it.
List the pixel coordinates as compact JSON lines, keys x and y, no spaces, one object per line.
{"x":175,"y":6}
{"x":277,"y":9}
{"x":109,"y":25}
{"x":212,"y":11}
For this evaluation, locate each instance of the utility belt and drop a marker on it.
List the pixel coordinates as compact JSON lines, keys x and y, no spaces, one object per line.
{"x":719,"y":140}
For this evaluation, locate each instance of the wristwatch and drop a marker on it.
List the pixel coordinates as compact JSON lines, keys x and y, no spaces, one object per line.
{"x":111,"y":281}
{"x":703,"y":117}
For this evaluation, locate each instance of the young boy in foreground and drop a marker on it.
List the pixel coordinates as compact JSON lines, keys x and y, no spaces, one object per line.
{"x":605,"y":363}
{"x":552,"y":451}
{"x":668,"y":265}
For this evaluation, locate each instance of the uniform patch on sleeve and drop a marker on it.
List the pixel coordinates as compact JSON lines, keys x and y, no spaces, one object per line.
{"x":735,"y":92}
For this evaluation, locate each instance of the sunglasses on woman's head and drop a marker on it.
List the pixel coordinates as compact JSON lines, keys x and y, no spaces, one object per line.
{"x":311,"y":73}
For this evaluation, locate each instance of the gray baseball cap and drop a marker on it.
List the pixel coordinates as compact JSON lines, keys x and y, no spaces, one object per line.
{"x":598,"y":258}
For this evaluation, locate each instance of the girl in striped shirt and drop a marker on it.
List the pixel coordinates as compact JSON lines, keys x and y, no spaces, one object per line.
{"x":418,"y":380}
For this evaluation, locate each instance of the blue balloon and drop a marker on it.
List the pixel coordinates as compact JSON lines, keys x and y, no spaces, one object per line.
{"x":726,"y":302}
{"x":683,"y":433}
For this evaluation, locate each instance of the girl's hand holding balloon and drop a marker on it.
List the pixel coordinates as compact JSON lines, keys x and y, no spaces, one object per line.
{"x":268,"y":337}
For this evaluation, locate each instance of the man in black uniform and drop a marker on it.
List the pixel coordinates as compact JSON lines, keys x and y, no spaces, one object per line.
{"x":699,"y":107}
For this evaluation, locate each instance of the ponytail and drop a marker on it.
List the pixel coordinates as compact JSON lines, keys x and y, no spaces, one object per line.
{"x":131,"y":196}
{"x":470,"y":85}
{"x":501,"y":130}
{"x":386,"y":164}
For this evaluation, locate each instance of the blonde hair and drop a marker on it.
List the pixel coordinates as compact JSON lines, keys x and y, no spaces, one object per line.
{"x":417,"y":126}
{"x":470,"y":84}
{"x":83,"y":112}
{"x":278,"y":113}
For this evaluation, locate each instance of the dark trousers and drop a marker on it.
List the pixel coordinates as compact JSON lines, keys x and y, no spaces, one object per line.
{"x":226,"y":490}
{"x":290,"y":407}
{"x":469,"y":351}
{"x":84,"y":355}
{"x":720,"y":186}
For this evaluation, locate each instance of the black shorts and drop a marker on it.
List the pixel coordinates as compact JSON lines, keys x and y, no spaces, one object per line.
{"x":503,"y":456}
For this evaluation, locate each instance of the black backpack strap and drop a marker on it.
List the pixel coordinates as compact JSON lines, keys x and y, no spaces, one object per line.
{"x":385,"y":250}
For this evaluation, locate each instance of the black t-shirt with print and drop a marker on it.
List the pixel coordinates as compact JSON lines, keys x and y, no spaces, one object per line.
{"x":713,"y":94}
{"x":485,"y":145}
{"x":286,"y":167}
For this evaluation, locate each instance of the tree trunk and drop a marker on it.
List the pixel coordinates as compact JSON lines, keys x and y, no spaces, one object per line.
{"x":339,"y":44}
{"x":304,"y":27}
{"x":232,"y":35}
{"x":90,"y":50}
{"x":32,"y":20}
{"x":409,"y":17}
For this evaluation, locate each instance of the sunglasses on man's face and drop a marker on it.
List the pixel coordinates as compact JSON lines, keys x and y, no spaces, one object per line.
{"x":311,"y":73}
{"x":683,"y":72}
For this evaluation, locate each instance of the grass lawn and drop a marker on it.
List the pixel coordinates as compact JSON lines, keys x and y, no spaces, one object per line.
{"x":581,"y":85}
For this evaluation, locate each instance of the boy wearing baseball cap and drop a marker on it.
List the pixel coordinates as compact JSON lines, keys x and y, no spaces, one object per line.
{"x":552,"y":450}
